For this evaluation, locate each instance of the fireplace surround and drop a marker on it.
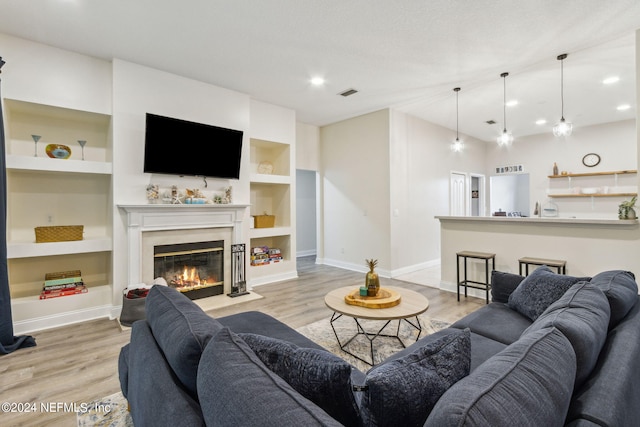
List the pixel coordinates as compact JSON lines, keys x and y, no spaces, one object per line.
{"x":149,"y":226}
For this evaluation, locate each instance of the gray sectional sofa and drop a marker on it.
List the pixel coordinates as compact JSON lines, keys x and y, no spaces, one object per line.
{"x":549,"y":350}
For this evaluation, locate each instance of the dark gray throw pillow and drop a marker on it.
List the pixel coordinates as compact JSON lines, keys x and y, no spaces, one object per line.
{"x":539,"y":290}
{"x":503,"y":284}
{"x":320,"y":376}
{"x":402,"y":392}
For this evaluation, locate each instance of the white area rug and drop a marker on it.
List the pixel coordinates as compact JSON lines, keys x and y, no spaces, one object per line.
{"x":110,"y":411}
{"x":321,"y":333}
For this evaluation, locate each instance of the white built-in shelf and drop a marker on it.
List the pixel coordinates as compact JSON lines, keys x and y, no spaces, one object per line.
{"x":46,"y":164}
{"x":31,"y":249}
{"x":257,"y":233}
{"x":593,"y":195}
{"x":269,"y":179}
{"x":571,"y":175}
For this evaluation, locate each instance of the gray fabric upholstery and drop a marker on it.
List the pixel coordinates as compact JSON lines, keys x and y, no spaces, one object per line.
{"x":403,"y":391}
{"x":582,"y":315}
{"x":609,"y":397}
{"x":496,"y":321}
{"x":320,"y":376}
{"x":503,"y":284}
{"x":123,"y":369}
{"x":539,"y":290}
{"x":621,"y":290}
{"x":527,"y":384}
{"x":153,"y":394}
{"x":181,"y":329}
{"x":236,"y":389}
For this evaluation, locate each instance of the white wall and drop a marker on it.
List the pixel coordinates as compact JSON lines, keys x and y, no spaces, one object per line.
{"x":421,"y":161}
{"x":355,"y":192}
{"x":616,"y":143}
{"x":307,"y":147}
{"x":138,"y":90}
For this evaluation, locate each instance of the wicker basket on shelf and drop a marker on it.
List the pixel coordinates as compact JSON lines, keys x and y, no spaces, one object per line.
{"x":264,"y":221}
{"x":59,"y":233}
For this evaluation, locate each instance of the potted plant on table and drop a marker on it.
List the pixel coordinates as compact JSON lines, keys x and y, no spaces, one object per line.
{"x":625,"y":209}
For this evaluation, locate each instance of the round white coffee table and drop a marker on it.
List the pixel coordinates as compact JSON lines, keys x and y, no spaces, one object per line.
{"x":411,"y":305}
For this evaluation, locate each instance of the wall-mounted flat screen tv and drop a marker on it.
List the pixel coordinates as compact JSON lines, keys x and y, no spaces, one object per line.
{"x":180,"y":147}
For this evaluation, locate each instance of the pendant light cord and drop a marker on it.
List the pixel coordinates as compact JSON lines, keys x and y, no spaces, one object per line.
{"x":562,"y":89}
{"x":504,"y":100}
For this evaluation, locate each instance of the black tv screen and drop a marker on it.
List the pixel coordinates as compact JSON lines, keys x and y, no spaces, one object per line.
{"x":180,"y":147}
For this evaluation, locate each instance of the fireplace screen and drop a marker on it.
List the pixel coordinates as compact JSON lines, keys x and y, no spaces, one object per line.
{"x":196,"y":269}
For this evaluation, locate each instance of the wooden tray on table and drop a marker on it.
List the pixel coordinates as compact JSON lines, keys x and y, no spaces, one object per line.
{"x":386,"y":298}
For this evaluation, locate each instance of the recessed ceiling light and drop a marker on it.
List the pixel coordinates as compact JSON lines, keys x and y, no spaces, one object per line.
{"x":611,"y":80}
{"x":512,"y":103}
{"x":623,"y":107}
{"x":317,"y":81}
{"x":541,"y":121}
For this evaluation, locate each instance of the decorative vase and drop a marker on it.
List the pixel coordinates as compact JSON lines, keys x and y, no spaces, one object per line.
{"x":555,"y":169}
{"x":372,"y":281}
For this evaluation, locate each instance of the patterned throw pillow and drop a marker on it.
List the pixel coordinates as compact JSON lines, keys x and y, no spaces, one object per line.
{"x":402,"y":392}
{"x":539,"y":290}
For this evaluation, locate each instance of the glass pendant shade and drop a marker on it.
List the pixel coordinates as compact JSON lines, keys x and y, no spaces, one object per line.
{"x":505,"y":139}
{"x":457,"y":145}
{"x":563,"y":128}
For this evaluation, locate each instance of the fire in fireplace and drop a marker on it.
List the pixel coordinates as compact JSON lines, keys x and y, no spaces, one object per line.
{"x":195,"y":269}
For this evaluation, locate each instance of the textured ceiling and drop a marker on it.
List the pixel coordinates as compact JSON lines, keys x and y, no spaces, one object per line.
{"x":406,"y":54}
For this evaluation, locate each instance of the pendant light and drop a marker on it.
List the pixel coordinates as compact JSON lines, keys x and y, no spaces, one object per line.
{"x":563,"y":128}
{"x":506,"y":138}
{"x":457,"y":145}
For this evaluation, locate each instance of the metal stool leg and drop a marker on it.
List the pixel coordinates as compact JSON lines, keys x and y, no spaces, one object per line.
{"x":458,"y":275}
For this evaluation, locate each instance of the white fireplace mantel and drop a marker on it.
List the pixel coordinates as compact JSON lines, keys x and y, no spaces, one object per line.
{"x":142,"y":218}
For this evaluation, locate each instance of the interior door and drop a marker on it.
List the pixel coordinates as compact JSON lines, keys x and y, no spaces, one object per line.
{"x":458,"y":194}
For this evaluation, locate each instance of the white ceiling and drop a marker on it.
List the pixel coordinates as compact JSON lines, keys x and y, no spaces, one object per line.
{"x":405,"y":54}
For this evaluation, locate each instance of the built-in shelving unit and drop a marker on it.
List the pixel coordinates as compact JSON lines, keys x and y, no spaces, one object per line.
{"x":44,"y":191}
{"x":580,"y":193}
{"x":272,"y":193}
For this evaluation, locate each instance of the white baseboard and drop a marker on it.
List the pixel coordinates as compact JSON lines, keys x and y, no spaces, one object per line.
{"x":415,"y":267}
{"x":310,"y":252}
{"x":62,"y":319}
{"x":272,"y":279}
{"x":354,"y":267}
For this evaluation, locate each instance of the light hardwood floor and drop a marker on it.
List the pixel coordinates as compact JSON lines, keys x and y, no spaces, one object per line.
{"x":79,"y":363}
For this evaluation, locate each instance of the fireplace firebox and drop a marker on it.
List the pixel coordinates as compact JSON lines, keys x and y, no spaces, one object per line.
{"x":195,"y":269}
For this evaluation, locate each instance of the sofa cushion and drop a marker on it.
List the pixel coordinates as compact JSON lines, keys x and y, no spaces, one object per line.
{"x":321,"y":377}
{"x":154,"y":394}
{"x":496,"y":321}
{"x":539,"y":290}
{"x":582,"y":315}
{"x":528,"y":384}
{"x":182,"y":331}
{"x":123,"y":369}
{"x":403,"y":391}
{"x":237,"y":389}
{"x":621,"y":290}
{"x":503,"y":284}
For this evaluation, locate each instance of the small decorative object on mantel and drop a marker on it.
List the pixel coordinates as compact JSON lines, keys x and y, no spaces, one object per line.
{"x":153,"y":193}
{"x":372,"y":281}
{"x":228,"y":195}
{"x":625,"y":209}
{"x":555,"y":169}
{"x":175,"y":199}
{"x":195,"y":197}
{"x":58,"y":151}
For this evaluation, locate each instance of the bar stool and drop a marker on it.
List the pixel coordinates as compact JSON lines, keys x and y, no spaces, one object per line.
{"x":560,"y":264}
{"x":480,"y":285}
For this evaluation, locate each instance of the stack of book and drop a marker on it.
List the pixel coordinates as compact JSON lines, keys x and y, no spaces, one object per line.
{"x":63,"y":283}
{"x":263,"y":255}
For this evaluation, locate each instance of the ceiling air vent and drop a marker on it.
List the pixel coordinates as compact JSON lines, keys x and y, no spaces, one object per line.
{"x":490,"y":122}
{"x":348,"y":92}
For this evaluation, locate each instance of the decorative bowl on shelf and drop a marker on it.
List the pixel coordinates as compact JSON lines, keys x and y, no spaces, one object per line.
{"x":590,"y":190}
{"x":58,"y":151}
